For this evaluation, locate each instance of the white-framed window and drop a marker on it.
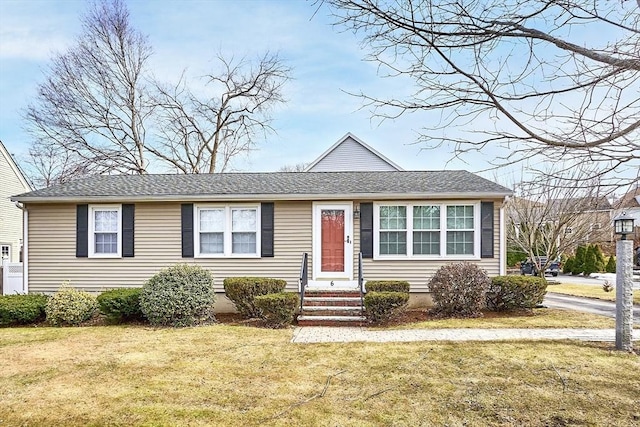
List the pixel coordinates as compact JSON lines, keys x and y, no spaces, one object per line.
{"x":227,"y":231}
{"x":105,"y":231}
{"x":427,"y":230}
{"x":5,"y":252}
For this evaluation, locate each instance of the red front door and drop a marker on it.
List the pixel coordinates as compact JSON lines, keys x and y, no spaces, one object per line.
{"x":332,"y":240}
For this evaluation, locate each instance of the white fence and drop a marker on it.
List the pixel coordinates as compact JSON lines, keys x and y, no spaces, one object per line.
{"x":12,"y":282}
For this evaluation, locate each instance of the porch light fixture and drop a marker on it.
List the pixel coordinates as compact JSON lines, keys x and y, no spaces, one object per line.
{"x":623,"y":225}
{"x":356,"y":212}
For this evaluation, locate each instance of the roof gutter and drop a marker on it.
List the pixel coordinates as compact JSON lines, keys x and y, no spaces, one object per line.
{"x":260,"y":197}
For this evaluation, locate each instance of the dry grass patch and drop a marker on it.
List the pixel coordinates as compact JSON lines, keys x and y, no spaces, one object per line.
{"x":589,"y":291}
{"x":537,"y":318}
{"x":240,"y":376}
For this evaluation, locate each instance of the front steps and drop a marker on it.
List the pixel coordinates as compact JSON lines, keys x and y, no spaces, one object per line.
{"x":331,"y":308}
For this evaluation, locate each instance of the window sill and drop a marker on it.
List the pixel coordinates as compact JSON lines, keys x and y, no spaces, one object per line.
{"x":427,"y":258}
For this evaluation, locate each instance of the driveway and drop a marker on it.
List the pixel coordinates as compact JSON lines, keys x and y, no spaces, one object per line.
{"x":597,"y":280}
{"x":587,"y":305}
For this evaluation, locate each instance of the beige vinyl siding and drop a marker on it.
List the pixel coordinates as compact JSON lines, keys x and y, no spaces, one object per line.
{"x":351,"y":156}
{"x":418,"y":272}
{"x":10,"y":214}
{"x":52,"y":249}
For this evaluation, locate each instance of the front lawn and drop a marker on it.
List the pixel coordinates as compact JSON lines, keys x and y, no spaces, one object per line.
{"x":537,"y":318}
{"x":589,"y":291}
{"x":241,"y":376}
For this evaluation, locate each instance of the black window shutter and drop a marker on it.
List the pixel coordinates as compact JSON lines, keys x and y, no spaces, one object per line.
{"x":187,"y":230}
{"x":366,"y":230}
{"x":82,"y":231}
{"x":266,"y":236}
{"x":486,"y":234}
{"x":128,"y":219}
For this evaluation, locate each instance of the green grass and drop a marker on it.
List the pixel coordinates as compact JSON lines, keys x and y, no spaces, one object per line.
{"x":589,"y":291}
{"x":241,"y":376}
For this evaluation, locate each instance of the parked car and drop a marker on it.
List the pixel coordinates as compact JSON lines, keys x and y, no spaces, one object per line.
{"x":529,"y":267}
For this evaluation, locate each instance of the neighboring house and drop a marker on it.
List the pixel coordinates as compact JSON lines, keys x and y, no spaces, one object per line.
{"x":350,"y":154}
{"x":594,"y":216}
{"x":111,"y":231}
{"x":630,"y":204}
{"x":12,"y":181}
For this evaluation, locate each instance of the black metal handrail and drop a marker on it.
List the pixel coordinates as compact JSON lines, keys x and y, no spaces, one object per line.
{"x":304,"y":276}
{"x":361,"y":281}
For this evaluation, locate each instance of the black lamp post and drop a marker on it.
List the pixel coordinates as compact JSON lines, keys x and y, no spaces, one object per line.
{"x":623,"y":225}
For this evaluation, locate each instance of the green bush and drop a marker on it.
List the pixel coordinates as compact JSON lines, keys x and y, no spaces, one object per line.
{"x":384,"y":306}
{"x":279,"y":309}
{"x":515,"y":292}
{"x":22,"y":309}
{"x":181,"y":295}
{"x":121,"y":305}
{"x":568,"y":265}
{"x":578,"y":261}
{"x":590,"y":261}
{"x":459,"y":290}
{"x":387,"y":286}
{"x":243,"y":290}
{"x":611,"y":265}
{"x":70,"y":306}
{"x":600,"y":264}
{"x":515,"y":256}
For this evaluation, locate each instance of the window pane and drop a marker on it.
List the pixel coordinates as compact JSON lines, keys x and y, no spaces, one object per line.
{"x":393,"y":243}
{"x":243,"y":243}
{"x":426,"y":217}
{"x":106,"y":221}
{"x":106,"y":243}
{"x":460,"y":217}
{"x":212,"y":220}
{"x":243,"y":220}
{"x":211,"y":243}
{"x":393,"y":217}
{"x":426,"y":243}
{"x":459,"y":242}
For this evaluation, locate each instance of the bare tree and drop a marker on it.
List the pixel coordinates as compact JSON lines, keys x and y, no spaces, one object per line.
{"x":550,"y":216}
{"x":531,"y":69}
{"x":92,"y":105}
{"x":298,"y":167}
{"x":202,"y":132}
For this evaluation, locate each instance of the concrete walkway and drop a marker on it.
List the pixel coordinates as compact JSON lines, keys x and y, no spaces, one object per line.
{"x":319,"y":334}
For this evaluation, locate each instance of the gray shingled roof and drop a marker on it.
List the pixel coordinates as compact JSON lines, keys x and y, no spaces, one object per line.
{"x":270,"y":185}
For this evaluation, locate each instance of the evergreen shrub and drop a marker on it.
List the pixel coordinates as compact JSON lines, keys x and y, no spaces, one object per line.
{"x":243,"y":290}
{"x":278,"y":309}
{"x":181,"y":295}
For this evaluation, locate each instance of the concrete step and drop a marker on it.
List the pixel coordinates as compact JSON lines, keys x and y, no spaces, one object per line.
{"x":331,"y":293}
{"x":331,"y":320}
{"x":328,"y":310}
{"x":332,"y":301}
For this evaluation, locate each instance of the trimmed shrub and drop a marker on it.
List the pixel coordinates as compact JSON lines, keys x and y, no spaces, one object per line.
{"x":515,"y":292}
{"x":70,"y":307}
{"x":387,"y":286}
{"x":279,"y":309}
{"x":611,"y":265}
{"x":243,"y":290}
{"x":22,"y":309}
{"x":181,"y":295}
{"x":600,"y":264}
{"x":384,"y":306}
{"x":121,"y":305}
{"x":459,"y":290}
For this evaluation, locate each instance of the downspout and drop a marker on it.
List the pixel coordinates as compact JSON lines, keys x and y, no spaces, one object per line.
{"x":503,"y":240}
{"x":25,"y":247}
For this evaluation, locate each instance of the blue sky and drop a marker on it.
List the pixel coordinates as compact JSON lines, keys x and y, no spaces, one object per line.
{"x":187,"y":34}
